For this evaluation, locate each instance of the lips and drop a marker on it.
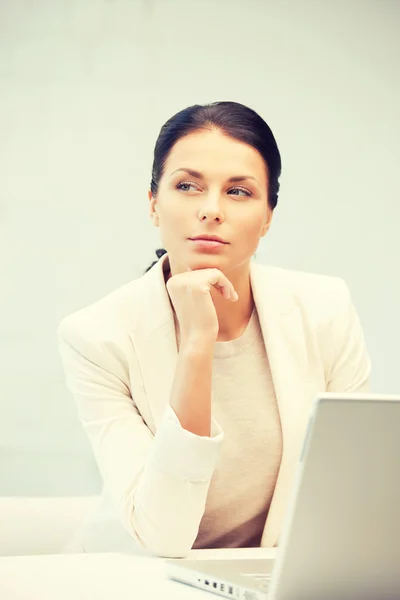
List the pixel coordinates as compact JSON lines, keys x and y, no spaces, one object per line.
{"x":209,"y":239}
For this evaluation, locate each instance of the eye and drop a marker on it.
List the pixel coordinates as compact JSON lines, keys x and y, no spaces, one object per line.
{"x":185,"y":186}
{"x":238,"y":189}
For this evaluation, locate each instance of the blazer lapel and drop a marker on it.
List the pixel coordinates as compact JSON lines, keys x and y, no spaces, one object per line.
{"x":155,"y":345}
{"x":285,"y":341}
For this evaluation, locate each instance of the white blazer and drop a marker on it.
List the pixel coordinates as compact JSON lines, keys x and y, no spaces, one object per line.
{"x":119,"y":357}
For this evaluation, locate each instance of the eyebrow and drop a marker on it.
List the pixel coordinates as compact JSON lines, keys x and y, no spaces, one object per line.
{"x":198,"y":175}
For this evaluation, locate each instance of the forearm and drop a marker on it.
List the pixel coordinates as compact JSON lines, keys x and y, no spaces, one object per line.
{"x":191,"y":389}
{"x":170,"y":498}
{"x":163,"y":512}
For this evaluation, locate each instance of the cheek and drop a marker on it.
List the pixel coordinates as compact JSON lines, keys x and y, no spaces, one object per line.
{"x":251,"y":227}
{"x":173,"y":218}
{"x":173,"y":222}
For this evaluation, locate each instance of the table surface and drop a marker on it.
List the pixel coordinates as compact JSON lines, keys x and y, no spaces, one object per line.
{"x":103,"y":576}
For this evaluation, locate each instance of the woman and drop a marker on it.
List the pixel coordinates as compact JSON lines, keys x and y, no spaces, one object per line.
{"x":194,"y":382}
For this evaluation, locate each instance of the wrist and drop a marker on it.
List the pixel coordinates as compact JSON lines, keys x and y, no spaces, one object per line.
{"x":200,"y":344}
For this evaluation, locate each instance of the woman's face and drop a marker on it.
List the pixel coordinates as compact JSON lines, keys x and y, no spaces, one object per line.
{"x":197,"y":196}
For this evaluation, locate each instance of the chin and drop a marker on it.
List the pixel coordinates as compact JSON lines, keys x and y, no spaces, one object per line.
{"x":208,"y":262}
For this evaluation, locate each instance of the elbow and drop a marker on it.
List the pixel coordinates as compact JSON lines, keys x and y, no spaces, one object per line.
{"x":164,"y":548}
{"x":163,"y":529}
{"x":163,"y":542}
{"x":171,"y":550}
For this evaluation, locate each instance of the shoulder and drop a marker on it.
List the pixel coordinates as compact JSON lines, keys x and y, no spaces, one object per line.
{"x":320,"y":295}
{"x":307,"y":285}
{"x":110,"y":317}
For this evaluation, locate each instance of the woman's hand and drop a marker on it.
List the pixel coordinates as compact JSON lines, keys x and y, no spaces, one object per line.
{"x":190,"y":294}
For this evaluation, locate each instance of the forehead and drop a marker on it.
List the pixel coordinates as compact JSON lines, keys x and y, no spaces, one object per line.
{"x":216,"y":154}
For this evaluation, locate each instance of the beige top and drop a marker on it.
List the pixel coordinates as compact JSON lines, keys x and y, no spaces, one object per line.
{"x":246,"y":410}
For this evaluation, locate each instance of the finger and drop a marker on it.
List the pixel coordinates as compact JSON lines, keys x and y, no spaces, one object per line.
{"x":223,"y":290}
{"x":222,"y":284}
{"x":229,"y":291}
{"x":226,"y":292}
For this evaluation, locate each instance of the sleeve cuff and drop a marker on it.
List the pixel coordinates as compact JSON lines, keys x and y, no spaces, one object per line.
{"x":182,"y":453}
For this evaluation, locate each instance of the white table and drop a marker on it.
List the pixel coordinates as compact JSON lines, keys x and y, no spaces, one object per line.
{"x":103,"y":576}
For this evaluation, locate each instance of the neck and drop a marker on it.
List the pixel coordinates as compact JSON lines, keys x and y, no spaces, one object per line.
{"x":233,"y":317}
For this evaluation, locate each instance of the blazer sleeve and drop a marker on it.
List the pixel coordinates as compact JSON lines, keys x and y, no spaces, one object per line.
{"x":159,"y":483}
{"x":349,"y":364}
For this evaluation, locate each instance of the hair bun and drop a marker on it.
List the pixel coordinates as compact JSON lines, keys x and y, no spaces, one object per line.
{"x":160,"y":252}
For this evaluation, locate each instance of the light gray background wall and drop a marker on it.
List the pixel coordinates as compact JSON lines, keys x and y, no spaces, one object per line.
{"x":85,"y":86}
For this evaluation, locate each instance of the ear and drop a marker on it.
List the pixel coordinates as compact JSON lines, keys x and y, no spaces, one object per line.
{"x":267,"y":223}
{"x":153,"y":208}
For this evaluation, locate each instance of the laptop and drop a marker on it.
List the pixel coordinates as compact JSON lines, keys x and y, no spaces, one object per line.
{"x":341,"y":536}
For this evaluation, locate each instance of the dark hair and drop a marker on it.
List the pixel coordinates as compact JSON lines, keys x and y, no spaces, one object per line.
{"x":235,"y":120}
{"x":160,"y":252}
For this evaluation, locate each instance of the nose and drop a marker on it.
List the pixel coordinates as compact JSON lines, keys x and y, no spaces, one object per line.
{"x":211,"y":210}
